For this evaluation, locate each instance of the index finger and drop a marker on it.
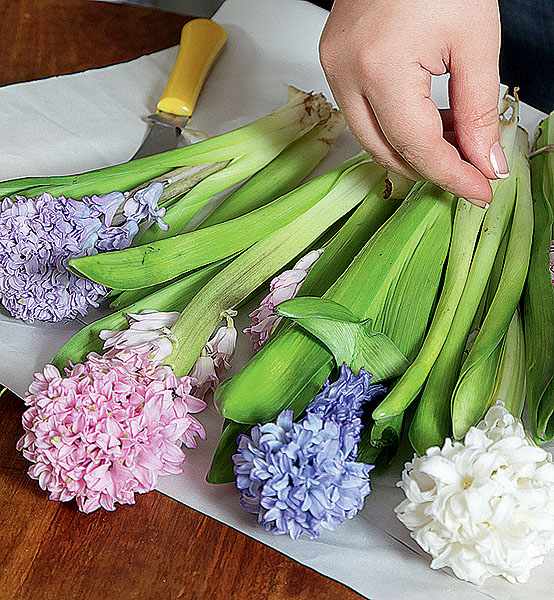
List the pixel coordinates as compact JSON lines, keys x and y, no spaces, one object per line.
{"x":411,"y":122}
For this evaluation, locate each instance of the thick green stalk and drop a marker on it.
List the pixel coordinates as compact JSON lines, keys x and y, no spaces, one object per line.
{"x":260,"y":262}
{"x":494,"y":278}
{"x":420,"y":299}
{"x":538,"y":296}
{"x":285,"y":172}
{"x":467,"y":407}
{"x":437,"y":393}
{"x":467,"y":224}
{"x":300,"y":114}
{"x":510,"y":377}
{"x":162,"y":260}
{"x":350,"y":239}
{"x":173,"y":297}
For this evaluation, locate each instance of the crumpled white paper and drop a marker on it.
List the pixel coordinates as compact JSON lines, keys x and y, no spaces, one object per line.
{"x":78,"y":122}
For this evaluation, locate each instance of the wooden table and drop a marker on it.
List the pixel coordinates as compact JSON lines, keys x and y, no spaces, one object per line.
{"x":157,"y":548}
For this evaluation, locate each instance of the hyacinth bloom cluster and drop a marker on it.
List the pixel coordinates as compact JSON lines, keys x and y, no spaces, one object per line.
{"x":38,"y":237}
{"x":303,"y":478}
{"x":283,"y":287}
{"x":148,"y":333}
{"x":108,"y":429}
{"x":483,"y":507}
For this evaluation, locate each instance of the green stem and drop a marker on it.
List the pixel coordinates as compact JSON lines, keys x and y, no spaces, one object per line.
{"x":285,"y":172}
{"x":467,"y":408}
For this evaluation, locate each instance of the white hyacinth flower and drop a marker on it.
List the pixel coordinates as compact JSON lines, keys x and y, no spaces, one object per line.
{"x":484,"y":507}
{"x":149,"y":328}
{"x":216,"y":357}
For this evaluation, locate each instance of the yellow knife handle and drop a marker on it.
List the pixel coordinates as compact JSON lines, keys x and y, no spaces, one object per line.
{"x":201,"y":41}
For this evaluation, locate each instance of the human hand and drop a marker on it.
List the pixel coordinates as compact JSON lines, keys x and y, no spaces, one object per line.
{"x":379,"y":55}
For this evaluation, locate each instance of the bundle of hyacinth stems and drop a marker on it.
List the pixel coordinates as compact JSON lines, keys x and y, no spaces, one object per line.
{"x":390,"y":315}
{"x":106,"y":423}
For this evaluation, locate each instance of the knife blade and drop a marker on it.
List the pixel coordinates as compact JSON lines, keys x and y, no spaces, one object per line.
{"x":201,"y":41}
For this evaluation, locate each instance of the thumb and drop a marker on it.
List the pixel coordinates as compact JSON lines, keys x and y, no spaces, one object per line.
{"x":474,"y":92}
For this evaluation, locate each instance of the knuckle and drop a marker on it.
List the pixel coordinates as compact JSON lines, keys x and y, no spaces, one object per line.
{"x":481,"y":118}
{"x":373,"y":67}
{"x":328,"y":56}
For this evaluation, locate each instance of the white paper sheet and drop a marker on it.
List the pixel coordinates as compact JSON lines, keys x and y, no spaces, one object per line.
{"x":79,"y":122}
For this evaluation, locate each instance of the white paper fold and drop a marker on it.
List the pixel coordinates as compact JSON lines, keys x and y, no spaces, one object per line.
{"x":79,"y":122}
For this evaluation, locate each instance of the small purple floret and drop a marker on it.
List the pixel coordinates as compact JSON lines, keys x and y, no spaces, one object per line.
{"x":144,"y":205}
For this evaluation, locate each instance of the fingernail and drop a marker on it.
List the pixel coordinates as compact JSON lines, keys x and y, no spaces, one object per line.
{"x":499,"y":162}
{"x":479,"y":203}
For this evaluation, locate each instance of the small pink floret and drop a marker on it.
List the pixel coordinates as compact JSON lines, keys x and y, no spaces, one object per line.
{"x":108,"y":429}
{"x":283,"y":287}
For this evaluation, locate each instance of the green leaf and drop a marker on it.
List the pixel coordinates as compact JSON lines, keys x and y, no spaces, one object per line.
{"x":125,"y":298}
{"x":351,"y":340}
{"x":221,"y":469}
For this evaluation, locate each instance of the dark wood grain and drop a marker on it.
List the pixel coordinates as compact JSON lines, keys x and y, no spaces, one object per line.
{"x":42,"y":38}
{"x":158,"y":548}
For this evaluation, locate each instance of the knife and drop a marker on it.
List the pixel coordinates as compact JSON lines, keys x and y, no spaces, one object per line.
{"x":201,"y":41}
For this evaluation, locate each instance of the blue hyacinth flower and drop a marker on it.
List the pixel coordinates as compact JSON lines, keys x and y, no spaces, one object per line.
{"x":303,"y":478}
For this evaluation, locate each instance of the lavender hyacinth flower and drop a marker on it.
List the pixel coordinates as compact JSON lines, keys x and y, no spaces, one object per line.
{"x":38,"y":237}
{"x":302,"y":478}
{"x":342,"y":402}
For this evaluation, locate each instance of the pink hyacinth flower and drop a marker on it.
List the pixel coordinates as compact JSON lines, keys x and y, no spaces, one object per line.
{"x":283,"y":287}
{"x":204,"y":376}
{"x":222,"y":347}
{"x":110,"y":427}
{"x":552,"y":262}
